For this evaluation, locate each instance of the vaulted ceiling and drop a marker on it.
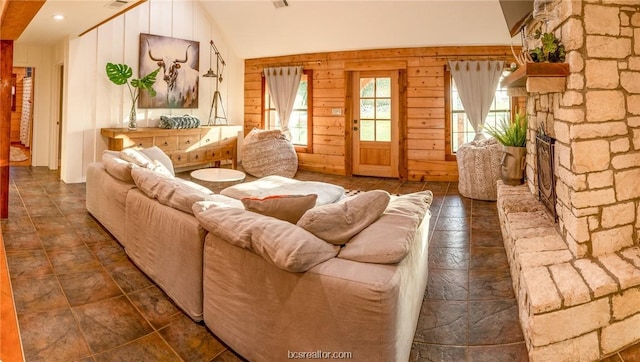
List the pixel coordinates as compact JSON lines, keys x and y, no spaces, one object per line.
{"x":256,"y":28}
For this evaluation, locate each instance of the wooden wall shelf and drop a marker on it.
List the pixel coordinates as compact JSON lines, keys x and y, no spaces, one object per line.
{"x":539,"y":77}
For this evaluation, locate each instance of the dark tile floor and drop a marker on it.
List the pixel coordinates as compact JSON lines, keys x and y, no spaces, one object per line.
{"x":78,"y":297}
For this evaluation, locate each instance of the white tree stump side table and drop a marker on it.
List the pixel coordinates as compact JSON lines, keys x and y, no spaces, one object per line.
{"x":216,"y":174}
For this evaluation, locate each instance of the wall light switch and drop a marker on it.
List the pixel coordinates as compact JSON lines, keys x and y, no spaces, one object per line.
{"x":336,"y":111}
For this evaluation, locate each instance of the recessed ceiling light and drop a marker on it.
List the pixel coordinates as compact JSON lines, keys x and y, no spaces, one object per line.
{"x":58,"y":17}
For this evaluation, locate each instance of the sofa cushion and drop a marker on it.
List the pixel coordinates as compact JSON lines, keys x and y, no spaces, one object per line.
{"x":117,"y":167}
{"x":167,"y":190}
{"x":278,"y":185}
{"x":388,"y":240}
{"x":284,"y":207}
{"x":139,"y":158}
{"x":339,"y":222}
{"x":281,"y":243}
{"x":154,"y":153}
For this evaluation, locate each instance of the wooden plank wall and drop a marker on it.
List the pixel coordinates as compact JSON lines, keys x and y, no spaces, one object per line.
{"x":425,"y":112}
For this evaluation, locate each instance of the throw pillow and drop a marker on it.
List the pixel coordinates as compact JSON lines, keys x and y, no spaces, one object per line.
{"x":159,"y":167}
{"x":214,"y":201}
{"x":284,"y":207}
{"x":156,"y":154}
{"x":416,"y":204}
{"x":117,"y":167}
{"x":280,"y":243}
{"x":337,"y":223}
{"x":389,"y":239}
{"x":167,"y":190}
{"x":136,"y":157}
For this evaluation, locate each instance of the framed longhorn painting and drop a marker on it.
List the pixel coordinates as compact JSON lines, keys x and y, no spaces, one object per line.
{"x":177,"y":81}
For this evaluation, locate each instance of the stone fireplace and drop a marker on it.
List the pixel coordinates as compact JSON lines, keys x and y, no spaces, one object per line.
{"x":577,"y":281}
{"x":596,"y":122}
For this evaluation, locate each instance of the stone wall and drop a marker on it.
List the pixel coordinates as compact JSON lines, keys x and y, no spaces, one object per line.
{"x":596,"y":123}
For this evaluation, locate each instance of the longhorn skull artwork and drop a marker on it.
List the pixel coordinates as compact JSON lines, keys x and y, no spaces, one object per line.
{"x":179,"y":69}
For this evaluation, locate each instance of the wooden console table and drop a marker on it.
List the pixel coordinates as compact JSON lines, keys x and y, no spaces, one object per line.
{"x":186,"y":147}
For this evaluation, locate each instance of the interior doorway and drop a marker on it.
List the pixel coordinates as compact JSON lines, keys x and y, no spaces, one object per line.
{"x":375,"y":123}
{"x":22,"y":98}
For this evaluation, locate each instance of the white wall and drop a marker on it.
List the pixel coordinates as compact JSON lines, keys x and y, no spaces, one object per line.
{"x":91,"y":101}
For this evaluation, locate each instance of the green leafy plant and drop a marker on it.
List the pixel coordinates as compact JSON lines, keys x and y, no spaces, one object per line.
{"x":120,"y":73}
{"x":510,"y":133}
{"x":550,"y":49}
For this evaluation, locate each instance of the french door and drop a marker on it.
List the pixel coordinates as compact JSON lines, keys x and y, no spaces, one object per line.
{"x":375,"y":123}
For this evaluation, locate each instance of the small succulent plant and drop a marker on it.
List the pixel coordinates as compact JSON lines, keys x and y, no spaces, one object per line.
{"x":550,"y":49}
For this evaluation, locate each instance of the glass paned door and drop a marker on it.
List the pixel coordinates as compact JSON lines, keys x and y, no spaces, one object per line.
{"x":375,"y":125}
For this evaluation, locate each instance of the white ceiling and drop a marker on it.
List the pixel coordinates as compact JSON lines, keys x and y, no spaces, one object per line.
{"x":255,"y":28}
{"x":79,"y":16}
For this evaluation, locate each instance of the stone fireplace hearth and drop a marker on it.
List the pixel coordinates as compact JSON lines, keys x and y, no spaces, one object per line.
{"x":571,"y":309}
{"x":578,"y":281}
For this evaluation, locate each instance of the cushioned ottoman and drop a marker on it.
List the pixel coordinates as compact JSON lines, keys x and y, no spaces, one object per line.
{"x":278,"y":185}
{"x":479,"y":169}
{"x":266,"y":153}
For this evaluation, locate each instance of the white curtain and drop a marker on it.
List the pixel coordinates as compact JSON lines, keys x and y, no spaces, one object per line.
{"x":283,"y":85}
{"x":477,"y":81}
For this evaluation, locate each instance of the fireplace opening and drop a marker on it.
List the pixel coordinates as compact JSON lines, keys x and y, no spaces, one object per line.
{"x":546,"y":176}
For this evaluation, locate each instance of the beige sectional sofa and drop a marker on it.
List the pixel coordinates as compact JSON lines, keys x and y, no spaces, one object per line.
{"x":344,"y":278}
{"x":165,"y":243}
{"x":366,"y":309}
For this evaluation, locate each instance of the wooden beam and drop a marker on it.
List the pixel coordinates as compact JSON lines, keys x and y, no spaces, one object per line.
{"x":6,"y":69}
{"x":16,"y":16}
{"x":139,"y":2}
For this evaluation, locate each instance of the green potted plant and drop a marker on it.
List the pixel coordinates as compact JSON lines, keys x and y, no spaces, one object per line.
{"x":513,"y":137}
{"x":550,"y":49}
{"x":120,"y":73}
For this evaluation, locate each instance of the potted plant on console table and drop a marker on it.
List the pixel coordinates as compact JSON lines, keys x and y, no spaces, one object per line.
{"x":513,"y":137}
{"x":119,"y":74}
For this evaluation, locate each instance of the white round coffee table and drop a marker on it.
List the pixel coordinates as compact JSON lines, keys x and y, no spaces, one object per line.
{"x":218,"y":175}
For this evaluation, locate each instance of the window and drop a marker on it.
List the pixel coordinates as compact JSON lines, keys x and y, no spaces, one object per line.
{"x":460,"y":130}
{"x":300,"y":121}
{"x":375,"y":109}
